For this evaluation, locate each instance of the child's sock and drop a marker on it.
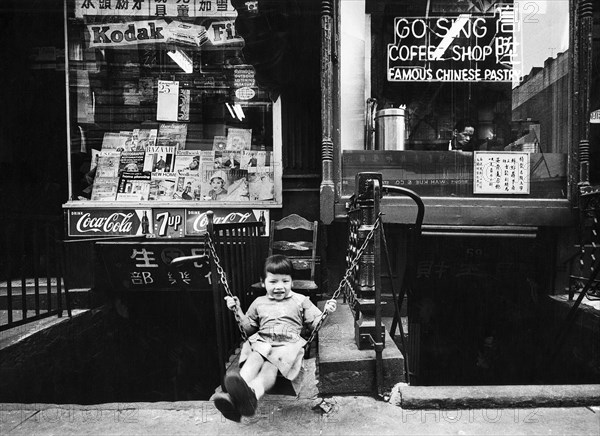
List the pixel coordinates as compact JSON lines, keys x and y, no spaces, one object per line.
{"x":258,"y":389}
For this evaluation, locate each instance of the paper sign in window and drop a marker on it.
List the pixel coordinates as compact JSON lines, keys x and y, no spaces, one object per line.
{"x":501,"y":172}
{"x":168,"y":100}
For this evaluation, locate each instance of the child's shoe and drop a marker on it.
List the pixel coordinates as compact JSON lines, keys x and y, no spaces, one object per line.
{"x":225,"y":405}
{"x":243,"y":396}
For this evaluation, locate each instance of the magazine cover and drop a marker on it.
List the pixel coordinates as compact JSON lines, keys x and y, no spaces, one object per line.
{"x":214,"y":184}
{"x":207,"y":159}
{"x":252,"y":160}
{"x":187,"y":161}
{"x":219,"y":143}
{"x":131,"y":162}
{"x":183,"y":108}
{"x":188,"y":187}
{"x":261,"y":186}
{"x":239,"y":139}
{"x":145,"y":138}
{"x":219,"y":158}
{"x":162,"y":186}
{"x":159,"y":159}
{"x":222,"y":185}
{"x":108,"y":164}
{"x":133,"y":187}
{"x":239,"y":189}
{"x":172,"y":135}
{"x":104,"y":188}
{"x":111,"y":141}
{"x":126,"y":140}
{"x":231,"y":160}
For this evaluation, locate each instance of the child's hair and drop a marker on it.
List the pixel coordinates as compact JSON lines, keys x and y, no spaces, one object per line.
{"x":278,"y":264}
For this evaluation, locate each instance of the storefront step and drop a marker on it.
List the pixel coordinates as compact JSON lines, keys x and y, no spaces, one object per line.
{"x":343,"y":368}
{"x":484,"y":397}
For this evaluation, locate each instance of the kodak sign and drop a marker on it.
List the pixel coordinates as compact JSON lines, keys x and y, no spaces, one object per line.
{"x":123,"y":34}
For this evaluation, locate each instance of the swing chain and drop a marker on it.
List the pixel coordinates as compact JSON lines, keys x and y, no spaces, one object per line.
{"x":336,"y":294}
{"x":225,"y":283}
{"x":347,"y":274}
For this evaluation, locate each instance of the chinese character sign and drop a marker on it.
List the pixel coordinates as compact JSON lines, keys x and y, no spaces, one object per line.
{"x":155,"y":8}
{"x":128,"y":266}
{"x":501,"y":172}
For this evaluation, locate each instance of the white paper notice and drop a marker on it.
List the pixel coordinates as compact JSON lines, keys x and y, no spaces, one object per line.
{"x":168,"y":101}
{"x":500,"y":172}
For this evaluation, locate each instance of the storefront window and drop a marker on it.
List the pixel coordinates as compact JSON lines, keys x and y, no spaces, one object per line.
{"x":467,"y":99}
{"x":164,"y":108}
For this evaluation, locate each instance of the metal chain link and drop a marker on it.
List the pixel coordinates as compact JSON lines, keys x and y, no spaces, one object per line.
{"x":336,"y":294}
{"x":344,"y":280}
{"x":223,"y":278}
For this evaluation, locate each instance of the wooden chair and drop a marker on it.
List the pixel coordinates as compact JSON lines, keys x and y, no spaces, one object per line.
{"x":296,"y":238}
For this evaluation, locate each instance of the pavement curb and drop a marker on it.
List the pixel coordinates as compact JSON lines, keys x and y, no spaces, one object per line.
{"x":511,"y":396}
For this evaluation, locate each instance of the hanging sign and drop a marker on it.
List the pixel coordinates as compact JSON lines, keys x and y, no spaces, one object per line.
{"x":155,"y":8}
{"x":145,"y":266}
{"x":223,"y":33}
{"x":125,"y":34}
{"x":464,"y":48}
{"x":501,"y":172}
{"x":595,"y":117}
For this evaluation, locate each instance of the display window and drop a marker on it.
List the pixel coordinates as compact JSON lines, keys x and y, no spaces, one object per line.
{"x":164,"y":111}
{"x":458,"y":99}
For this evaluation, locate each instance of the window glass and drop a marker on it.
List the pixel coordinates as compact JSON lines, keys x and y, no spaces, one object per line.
{"x":164,"y":106}
{"x":466,"y":98}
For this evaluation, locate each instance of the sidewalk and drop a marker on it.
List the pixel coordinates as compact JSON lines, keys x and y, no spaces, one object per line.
{"x":304,"y":414}
{"x":348,"y":416}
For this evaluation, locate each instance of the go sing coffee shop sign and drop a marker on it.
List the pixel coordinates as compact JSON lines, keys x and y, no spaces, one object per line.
{"x":463,"y":48}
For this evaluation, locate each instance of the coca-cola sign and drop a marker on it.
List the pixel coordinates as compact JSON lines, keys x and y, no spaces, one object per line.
{"x":105,"y":222}
{"x":197,"y":220}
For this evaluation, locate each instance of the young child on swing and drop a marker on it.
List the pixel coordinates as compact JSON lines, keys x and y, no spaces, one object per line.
{"x":274,"y":322}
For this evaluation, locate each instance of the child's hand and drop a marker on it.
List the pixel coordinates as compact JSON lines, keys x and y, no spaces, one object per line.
{"x":232,"y":302}
{"x":330,"y":306}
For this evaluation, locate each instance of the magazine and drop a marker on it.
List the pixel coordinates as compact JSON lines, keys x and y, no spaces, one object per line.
{"x":188,"y":187}
{"x":108,"y":163}
{"x":159,"y":159}
{"x":219,"y":158}
{"x":131,"y":162}
{"x":207,"y":159}
{"x":162,"y":186}
{"x":252,"y":159}
{"x":104,"y":189}
{"x":219,"y":143}
{"x":187,"y":161}
{"x":172,"y":135}
{"x":260,"y":185}
{"x":126,"y":140}
{"x":133,"y":187}
{"x":238,"y":189}
{"x":239,"y":139}
{"x":183,"y":112}
{"x":144,"y":138}
{"x":231,"y":160}
{"x":214,"y":184}
{"x":111,"y":141}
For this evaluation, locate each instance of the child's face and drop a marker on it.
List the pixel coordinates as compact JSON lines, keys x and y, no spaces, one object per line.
{"x":278,"y":286}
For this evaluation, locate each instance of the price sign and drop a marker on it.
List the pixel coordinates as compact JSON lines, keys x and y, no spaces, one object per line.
{"x":168,"y":100}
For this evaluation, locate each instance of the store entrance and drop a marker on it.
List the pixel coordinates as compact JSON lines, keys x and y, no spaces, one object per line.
{"x":480,"y":314}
